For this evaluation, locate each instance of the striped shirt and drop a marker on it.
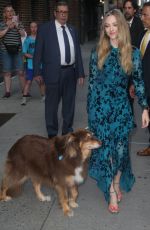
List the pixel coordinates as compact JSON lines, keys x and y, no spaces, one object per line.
{"x":12,"y":37}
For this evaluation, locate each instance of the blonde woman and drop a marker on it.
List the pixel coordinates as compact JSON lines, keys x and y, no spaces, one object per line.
{"x":11,"y":31}
{"x":109,"y":111}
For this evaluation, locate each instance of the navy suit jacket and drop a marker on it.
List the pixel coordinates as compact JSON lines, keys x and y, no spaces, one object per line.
{"x":47,"y":52}
{"x":135,"y":30}
{"x":146,"y":66}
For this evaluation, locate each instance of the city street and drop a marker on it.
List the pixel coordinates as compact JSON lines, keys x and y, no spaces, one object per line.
{"x":27,"y":213}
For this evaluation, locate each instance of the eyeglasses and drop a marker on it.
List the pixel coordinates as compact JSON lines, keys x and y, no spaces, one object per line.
{"x":62,"y":12}
{"x":144,"y":15}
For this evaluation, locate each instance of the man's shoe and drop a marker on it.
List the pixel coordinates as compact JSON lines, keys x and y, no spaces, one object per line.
{"x":29,"y":95}
{"x":51,"y":136}
{"x":42,"y":98}
{"x":144,"y":152}
{"x":65,"y":133}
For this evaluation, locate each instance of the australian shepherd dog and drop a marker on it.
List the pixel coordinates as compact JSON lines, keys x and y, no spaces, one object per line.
{"x":60,"y":162}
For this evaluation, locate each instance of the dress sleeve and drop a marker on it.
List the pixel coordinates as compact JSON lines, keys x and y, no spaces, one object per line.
{"x":92,"y":76}
{"x":138,"y":81}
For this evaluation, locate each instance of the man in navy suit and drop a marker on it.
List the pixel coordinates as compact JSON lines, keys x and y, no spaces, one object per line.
{"x":145,"y":50}
{"x":60,"y":76}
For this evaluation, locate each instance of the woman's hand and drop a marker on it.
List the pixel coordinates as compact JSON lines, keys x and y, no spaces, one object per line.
{"x":145,"y":118}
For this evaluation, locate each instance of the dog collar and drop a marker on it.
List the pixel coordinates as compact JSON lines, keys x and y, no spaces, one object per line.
{"x":60,"y":157}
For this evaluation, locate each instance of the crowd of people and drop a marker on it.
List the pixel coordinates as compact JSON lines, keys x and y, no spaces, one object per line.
{"x":17,"y":50}
{"x":119,"y":69}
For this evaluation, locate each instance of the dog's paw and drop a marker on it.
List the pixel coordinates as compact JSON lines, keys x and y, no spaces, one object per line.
{"x":73,"y":204}
{"x":7,"y":198}
{"x":70,"y":213}
{"x":45,"y":198}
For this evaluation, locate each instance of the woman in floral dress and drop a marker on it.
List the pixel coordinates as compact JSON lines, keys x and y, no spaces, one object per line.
{"x":109,"y":113}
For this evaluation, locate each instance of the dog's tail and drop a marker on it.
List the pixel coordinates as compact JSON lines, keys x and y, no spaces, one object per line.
{"x":11,"y":189}
{"x":15,"y":190}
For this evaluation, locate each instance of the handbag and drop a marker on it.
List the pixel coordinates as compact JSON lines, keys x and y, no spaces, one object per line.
{"x":12,"y":49}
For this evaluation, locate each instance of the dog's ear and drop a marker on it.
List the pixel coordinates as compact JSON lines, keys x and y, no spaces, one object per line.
{"x":71,"y":146}
{"x":71,"y":138}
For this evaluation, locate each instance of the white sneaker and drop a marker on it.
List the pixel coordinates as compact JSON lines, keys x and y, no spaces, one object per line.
{"x":24,"y":101}
{"x":42,"y":98}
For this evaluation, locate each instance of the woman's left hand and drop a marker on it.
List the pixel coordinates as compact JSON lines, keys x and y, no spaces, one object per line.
{"x":145,"y":118}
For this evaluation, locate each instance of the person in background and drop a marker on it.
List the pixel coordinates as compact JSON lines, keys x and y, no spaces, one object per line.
{"x":145,"y":51}
{"x":28,"y":51}
{"x":58,"y":49}
{"x":11,"y":31}
{"x":130,"y":9}
{"x":109,"y":111}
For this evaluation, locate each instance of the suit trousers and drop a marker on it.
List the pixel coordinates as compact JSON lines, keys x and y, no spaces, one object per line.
{"x":64,"y":90}
{"x":148,"y":100}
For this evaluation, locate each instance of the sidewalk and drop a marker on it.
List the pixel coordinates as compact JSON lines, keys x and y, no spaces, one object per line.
{"x":27,"y":213}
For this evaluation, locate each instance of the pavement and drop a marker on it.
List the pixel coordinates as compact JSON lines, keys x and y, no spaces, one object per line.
{"x":27,"y":213}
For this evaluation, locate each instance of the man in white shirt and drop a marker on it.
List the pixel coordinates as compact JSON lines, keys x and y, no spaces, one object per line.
{"x":58,"y":49}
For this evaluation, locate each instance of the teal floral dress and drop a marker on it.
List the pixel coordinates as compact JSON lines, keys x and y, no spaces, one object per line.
{"x":110,"y":118}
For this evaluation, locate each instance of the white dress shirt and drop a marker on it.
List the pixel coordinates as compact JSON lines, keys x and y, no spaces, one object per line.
{"x":130,"y":22}
{"x":60,"y":36}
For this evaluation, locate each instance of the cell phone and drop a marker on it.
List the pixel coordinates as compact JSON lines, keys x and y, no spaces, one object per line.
{"x":15,"y":19}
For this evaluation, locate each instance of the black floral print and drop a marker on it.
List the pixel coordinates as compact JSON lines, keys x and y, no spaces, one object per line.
{"x":110,"y":118}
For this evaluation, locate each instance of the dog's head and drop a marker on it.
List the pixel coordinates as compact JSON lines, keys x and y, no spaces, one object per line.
{"x":77,"y":144}
{"x":86,"y":142}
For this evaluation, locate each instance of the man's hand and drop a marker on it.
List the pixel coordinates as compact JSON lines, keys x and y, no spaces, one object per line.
{"x":132,"y":91}
{"x":81,"y":81}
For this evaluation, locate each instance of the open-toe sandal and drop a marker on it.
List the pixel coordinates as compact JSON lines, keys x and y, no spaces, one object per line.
{"x":119,"y":193}
{"x":113,"y":208}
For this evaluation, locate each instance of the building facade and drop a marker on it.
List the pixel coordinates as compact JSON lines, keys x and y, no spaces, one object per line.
{"x":85,"y":15}
{"x":82,"y":14}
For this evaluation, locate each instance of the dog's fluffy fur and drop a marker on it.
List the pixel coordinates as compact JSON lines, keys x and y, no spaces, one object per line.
{"x":60,"y":162}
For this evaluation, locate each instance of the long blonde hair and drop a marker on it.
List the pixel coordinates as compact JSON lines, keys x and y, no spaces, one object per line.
{"x":124,"y":42}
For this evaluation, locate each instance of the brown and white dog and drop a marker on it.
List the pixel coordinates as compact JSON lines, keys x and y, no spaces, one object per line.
{"x":60,"y":162}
